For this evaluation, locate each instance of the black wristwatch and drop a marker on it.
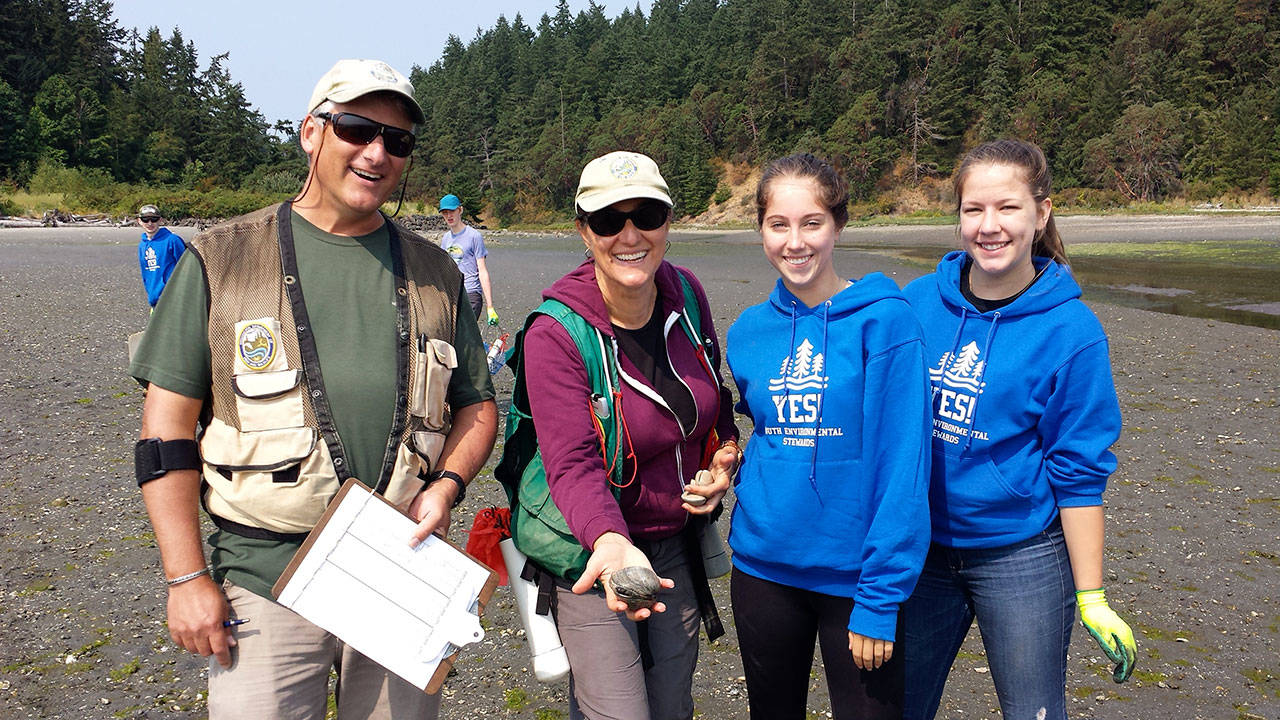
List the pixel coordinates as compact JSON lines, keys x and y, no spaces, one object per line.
{"x":456,"y":478}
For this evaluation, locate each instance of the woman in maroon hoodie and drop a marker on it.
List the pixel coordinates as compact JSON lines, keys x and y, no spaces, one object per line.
{"x":631,"y":664}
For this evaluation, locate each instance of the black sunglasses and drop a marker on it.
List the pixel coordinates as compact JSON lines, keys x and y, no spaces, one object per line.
{"x":149,"y":218}
{"x":360,"y":130}
{"x":648,"y":215}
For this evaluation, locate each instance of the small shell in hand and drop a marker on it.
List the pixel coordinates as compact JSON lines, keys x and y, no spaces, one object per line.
{"x":637,"y":586}
{"x":702,"y":477}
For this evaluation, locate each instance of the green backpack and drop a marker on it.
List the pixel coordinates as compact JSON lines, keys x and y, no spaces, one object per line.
{"x":537,"y":526}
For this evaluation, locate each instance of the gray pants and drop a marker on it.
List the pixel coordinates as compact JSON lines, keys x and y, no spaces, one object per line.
{"x":280,"y":671}
{"x":608,"y":680}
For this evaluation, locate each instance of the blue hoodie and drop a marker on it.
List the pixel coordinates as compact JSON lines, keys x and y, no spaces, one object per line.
{"x":157,"y":258}
{"x":1024,"y":407}
{"x":848,"y":515}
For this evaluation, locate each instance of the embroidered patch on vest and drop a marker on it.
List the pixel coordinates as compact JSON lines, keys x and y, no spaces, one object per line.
{"x":257,"y":345}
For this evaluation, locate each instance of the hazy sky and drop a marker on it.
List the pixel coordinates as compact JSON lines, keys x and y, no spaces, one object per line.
{"x":280,"y":48}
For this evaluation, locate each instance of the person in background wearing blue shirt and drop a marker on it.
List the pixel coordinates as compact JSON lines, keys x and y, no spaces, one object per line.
{"x":158,"y":252}
{"x":1024,"y":415}
{"x":466,"y":246}
{"x":831,"y":522}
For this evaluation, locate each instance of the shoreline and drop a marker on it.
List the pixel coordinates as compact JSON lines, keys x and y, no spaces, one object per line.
{"x":1263,"y":220}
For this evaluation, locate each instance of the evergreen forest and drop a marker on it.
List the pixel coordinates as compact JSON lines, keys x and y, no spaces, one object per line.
{"x":1132,"y":100}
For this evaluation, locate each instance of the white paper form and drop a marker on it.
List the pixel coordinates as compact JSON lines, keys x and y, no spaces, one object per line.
{"x":405,"y":608}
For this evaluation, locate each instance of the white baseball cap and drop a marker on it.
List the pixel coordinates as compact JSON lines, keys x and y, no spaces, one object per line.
{"x":620,"y":176}
{"x":350,"y":79}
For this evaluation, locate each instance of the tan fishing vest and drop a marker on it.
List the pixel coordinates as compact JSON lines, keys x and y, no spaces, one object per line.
{"x":272,"y":456}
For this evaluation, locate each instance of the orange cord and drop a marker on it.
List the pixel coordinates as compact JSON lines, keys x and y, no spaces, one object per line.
{"x":626,"y":433}
{"x":620,"y":423}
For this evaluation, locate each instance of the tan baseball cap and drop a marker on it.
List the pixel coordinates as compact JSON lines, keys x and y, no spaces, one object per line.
{"x":620,"y":176}
{"x":350,"y":79}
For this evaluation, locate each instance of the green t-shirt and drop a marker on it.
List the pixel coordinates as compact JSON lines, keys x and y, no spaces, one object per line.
{"x":349,"y":289}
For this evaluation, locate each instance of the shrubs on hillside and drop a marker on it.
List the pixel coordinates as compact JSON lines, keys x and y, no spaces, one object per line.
{"x":92,"y":190}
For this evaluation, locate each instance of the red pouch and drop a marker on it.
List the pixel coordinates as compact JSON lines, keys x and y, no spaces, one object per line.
{"x":709,"y":449}
{"x":491,"y":526}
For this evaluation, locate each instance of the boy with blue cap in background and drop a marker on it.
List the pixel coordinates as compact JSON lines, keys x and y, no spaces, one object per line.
{"x":158,"y":252}
{"x":465,"y":245}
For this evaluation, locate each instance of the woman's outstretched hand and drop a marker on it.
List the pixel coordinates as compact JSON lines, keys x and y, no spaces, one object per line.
{"x":613,"y":552}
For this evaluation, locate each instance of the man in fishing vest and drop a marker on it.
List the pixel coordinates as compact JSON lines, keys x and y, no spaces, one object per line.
{"x":311,"y":342}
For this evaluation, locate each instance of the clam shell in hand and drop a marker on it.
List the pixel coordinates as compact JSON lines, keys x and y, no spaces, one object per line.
{"x":637,"y":586}
{"x":702,"y":477}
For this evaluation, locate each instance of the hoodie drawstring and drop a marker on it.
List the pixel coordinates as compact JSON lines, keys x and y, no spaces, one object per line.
{"x":973,"y":414}
{"x":822,"y":395}
{"x":786,"y":388}
{"x":951,"y":356}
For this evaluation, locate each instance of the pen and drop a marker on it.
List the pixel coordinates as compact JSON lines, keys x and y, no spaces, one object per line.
{"x":233,"y":623}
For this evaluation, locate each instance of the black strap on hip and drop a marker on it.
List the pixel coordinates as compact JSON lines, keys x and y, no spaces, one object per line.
{"x":698,"y":573}
{"x":646,"y":650}
{"x":642,"y":626}
{"x":546,"y":586}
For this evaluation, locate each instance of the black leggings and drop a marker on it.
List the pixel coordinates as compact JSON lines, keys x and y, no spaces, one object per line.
{"x":776,"y":627}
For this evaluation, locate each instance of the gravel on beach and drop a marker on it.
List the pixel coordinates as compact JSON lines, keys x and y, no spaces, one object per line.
{"x":1193,"y":534}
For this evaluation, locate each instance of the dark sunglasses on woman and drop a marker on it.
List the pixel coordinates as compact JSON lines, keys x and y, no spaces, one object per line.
{"x":360,"y":130}
{"x":648,"y":215}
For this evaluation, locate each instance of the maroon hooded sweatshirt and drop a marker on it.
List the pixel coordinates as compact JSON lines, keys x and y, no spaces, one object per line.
{"x":665,"y":458}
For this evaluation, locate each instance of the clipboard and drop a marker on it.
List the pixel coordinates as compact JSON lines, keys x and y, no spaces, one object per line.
{"x":409,"y":609}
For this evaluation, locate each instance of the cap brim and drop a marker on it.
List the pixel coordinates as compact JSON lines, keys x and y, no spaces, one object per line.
{"x":592,"y":201}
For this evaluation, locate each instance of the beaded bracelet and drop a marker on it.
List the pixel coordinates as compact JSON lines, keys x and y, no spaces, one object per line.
{"x":189,"y":576}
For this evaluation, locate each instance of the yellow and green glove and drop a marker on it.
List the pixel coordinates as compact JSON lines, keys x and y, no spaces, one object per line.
{"x":1112,"y":633}
{"x":493,"y":317}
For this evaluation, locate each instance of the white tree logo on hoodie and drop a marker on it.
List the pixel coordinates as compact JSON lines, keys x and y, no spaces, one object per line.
{"x":965,"y":371}
{"x":797,"y":391}
{"x":957,"y":380}
{"x":801,"y":371}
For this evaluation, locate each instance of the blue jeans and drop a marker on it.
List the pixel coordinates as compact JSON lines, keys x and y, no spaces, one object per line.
{"x":1023,"y":596}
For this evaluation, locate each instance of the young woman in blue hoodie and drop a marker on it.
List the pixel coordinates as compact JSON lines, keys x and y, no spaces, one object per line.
{"x":1024,"y":414}
{"x":831,"y":523}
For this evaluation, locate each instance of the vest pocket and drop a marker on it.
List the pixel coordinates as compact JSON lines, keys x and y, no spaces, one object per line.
{"x":434,"y":366}
{"x":280,"y":479}
{"x":268,"y":400}
{"x":414,"y":461}
{"x":429,"y":445}
{"x":406,"y":477}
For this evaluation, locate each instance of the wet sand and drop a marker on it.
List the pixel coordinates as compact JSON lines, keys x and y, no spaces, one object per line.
{"x":1193,"y":555}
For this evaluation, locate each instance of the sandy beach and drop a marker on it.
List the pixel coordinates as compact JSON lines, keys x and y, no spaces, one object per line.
{"x":1192,"y":559}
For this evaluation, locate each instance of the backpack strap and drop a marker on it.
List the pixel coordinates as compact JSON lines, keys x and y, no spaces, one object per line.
{"x":537,"y":526}
{"x":692,"y":317}
{"x":599,"y":354}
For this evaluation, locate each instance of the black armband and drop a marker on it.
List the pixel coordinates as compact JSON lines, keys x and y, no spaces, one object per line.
{"x":154,"y":457}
